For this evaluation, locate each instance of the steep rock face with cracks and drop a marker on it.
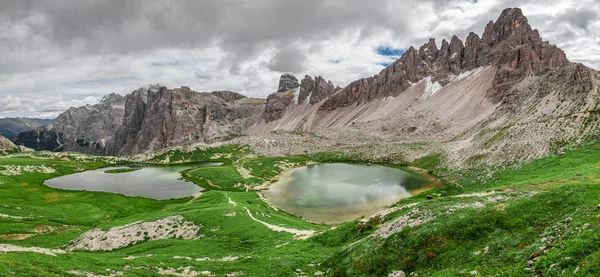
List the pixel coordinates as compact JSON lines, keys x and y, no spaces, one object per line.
{"x":314,"y":90}
{"x":158,"y":117}
{"x":150,"y":118}
{"x":88,"y":129}
{"x":308,"y":91}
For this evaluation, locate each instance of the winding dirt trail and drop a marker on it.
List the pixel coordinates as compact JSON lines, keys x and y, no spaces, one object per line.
{"x":195,"y":197}
{"x":298,"y":234}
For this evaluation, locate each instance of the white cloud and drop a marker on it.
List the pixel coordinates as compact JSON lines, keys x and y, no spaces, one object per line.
{"x":56,"y":55}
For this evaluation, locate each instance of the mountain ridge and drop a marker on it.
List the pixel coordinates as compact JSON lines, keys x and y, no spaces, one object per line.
{"x":454,"y":98}
{"x":12,"y":126}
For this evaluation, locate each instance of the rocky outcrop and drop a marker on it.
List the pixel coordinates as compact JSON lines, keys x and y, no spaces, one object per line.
{"x":228,"y":96}
{"x":40,"y":139}
{"x":158,"y":117}
{"x":509,"y":44}
{"x":309,"y":91}
{"x":150,"y":118}
{"x":456,"y":55}
{"x":276,"y":105}
{"x":476,"y":53}
{"x":518,"y":51}
{"x":89,"y":129}
{"x":6,"y":144}
{"x":315,"y":90}
{"x":286,"y":82}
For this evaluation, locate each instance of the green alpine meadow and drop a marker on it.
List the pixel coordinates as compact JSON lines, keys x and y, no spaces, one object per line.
{"x":335,"y":138}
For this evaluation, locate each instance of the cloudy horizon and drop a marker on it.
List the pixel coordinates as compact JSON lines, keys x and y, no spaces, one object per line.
{"x":59,"y":54}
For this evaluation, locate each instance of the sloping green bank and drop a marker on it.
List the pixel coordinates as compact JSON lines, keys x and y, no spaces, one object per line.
{"x":539,"y":219}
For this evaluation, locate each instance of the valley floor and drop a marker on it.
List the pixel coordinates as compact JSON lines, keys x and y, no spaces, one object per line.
{"x":541,"y":218}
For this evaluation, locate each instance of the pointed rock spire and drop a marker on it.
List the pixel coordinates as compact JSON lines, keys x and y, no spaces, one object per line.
{"x":429,"y":52}
{"x":476,"y":53}
{"x":315,"y":89}
{"x":287,"y":81}
{"x":456,"y":55}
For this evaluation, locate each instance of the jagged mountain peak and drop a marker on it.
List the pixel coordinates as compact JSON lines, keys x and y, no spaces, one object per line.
{"x":439,"y":92}
{"x":110,"y":97}
{"x":509,"y":43}
{"x":511,"y":26}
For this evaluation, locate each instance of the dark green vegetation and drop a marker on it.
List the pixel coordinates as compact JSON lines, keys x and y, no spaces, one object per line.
{"x":72,"y":213}
{"x":541,"y":218}
{"x":122,"y":170}
{"x":544,"y":221}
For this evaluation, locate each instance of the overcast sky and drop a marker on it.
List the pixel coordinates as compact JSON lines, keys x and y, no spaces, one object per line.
{"x":58,"y":54}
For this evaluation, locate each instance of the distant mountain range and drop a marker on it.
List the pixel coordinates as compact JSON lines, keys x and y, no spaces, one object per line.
{"x":507,"y":95}
{"x":10,"y":127}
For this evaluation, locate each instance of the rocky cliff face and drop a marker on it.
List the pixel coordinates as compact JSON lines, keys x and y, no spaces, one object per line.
{"x":276,"y":104}
{"x":315,"y":90}
{"x":88,"y":129}
{"x":509,"y":44}
{"x":308,"y":91}
{"x":159,"y":117}
{"x":149,"y":118}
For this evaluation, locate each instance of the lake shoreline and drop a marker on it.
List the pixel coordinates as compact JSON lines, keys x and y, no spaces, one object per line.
{"x":153,"y":182}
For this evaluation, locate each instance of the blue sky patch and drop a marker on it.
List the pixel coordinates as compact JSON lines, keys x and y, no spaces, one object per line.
{"x":389,"y":51}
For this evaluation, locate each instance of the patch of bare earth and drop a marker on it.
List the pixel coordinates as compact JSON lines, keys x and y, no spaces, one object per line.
{"x":245,"y":173}
{"x":207,"y":259}
{"x":16,"y":236}
{"x":5,"y":248}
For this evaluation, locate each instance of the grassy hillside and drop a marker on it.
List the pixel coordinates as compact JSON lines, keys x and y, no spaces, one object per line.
{"x":541,"y":218}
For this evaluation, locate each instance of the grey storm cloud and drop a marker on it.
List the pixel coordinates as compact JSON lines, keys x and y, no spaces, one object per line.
{"x":581,"y":18}
{"x":69,"y":49}
{"x":288,"y":60}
